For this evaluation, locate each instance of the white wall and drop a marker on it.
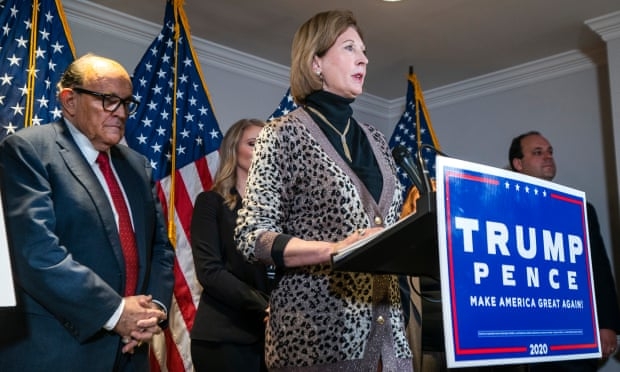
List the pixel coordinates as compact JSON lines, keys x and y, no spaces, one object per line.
{"x":566,"y":110}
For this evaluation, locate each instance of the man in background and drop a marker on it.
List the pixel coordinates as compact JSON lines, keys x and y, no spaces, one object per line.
{"x":530,"y":153}
{"x":92,"y":262}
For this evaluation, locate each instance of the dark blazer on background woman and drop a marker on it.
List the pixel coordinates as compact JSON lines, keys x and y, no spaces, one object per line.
{"x":234,"y":297}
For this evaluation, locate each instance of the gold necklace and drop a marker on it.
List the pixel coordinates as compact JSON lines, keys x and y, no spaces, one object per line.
{"x":343,"y":135}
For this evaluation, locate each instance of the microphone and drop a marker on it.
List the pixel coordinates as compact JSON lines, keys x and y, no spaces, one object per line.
{"x":425,"y":172}
{"x":405,"y":160}
{"x":433,"y":148}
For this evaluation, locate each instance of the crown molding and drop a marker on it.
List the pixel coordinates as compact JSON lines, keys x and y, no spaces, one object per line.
{"x":607,"y":26}
{"x":125,"y":27}
{"x":108,"y":21}
{"x":514,"y":77}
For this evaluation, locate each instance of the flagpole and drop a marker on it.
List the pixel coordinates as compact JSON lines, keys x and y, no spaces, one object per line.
{"x":419,"y":97}
{"x":173,"y":157}
{"x":418,"y":133}
{"x":31,"y":65}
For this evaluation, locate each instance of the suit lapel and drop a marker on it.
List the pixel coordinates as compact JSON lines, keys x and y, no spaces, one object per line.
{"x":83,"y":174}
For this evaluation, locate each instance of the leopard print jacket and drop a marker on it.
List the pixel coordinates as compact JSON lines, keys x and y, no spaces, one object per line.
{"x":299,"y":185}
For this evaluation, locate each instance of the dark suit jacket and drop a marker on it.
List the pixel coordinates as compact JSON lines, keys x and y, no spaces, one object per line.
{"x":66,"y":252}
{"x":234,"y":298}
{"x":607,"y":309}
{"x":604,"y":285}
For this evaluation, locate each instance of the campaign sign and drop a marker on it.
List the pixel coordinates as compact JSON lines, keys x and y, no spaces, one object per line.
{"x":516,"y":277}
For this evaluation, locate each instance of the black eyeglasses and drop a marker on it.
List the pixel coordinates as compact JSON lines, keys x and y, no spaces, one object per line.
{"x":111,"y":102}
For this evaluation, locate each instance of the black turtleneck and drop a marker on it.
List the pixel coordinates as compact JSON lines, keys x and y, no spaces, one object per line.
{"x":338,"y":111}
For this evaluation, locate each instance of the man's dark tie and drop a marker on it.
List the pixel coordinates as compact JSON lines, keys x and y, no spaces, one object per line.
{"x":127,"y":237}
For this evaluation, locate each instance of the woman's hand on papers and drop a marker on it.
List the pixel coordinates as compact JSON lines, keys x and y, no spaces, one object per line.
{"x":357,"y":235}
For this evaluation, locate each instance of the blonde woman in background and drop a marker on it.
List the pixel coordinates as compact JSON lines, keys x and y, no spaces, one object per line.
{"x":228,"y":331}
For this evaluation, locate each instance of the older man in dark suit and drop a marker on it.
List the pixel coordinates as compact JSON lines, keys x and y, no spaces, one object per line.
{"x":92,"y":262}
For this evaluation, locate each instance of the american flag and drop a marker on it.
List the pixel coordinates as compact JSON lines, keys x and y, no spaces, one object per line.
{"x":176,"y":129}
{"x":35,"y":49}
{"x":414,"y":130}
{"x":287,"y":104}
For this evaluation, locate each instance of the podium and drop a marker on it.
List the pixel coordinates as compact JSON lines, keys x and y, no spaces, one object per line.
{"x":408,"y":247}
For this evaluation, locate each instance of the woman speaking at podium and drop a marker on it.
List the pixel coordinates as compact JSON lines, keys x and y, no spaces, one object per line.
{"x":319,"y":181}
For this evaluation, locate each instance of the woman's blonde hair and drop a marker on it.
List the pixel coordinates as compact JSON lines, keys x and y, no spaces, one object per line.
{"x":226,"y":175}
{"x":314,"y":38}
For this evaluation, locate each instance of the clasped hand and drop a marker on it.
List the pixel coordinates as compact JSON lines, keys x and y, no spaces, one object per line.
{"x":139,"y":321}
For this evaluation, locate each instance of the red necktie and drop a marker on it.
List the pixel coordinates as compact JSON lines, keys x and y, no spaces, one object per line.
{"x":125,"y":231}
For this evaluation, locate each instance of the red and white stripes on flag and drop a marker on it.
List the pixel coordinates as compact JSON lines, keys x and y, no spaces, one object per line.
{"x":171,"y":352}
